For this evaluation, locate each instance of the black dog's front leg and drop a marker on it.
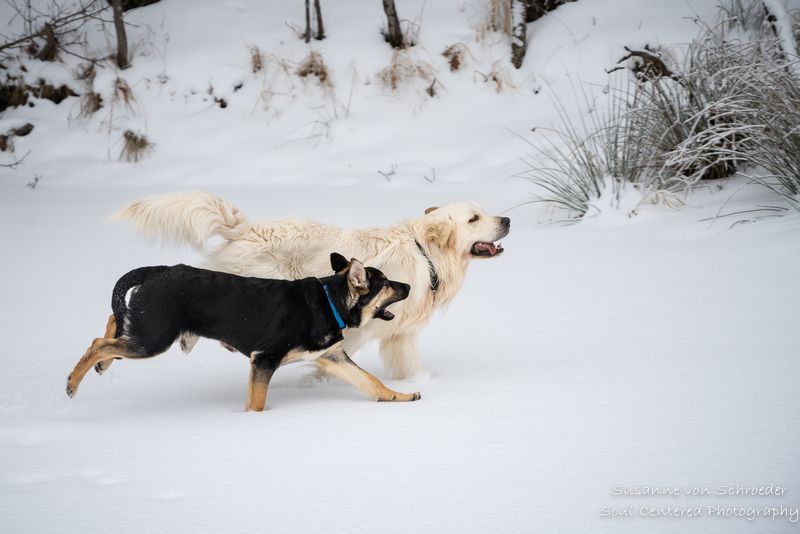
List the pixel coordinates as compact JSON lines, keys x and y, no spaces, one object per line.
{"x":261,"y":370}
{"x":341,"y":366}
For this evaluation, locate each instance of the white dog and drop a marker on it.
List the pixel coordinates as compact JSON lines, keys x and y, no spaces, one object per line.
{"x":431,"y":253}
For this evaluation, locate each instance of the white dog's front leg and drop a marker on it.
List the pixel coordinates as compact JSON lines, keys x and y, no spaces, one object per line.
{"x":399,"y":353}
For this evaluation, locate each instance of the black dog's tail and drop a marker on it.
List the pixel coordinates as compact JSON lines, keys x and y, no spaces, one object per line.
{"x":131,"y":279}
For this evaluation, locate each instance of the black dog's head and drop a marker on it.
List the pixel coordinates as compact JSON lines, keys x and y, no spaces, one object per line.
{"x":369,"y":291}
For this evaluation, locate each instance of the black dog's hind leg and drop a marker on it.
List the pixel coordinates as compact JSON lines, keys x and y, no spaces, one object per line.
{"x":100,"y":350}
{"x":111,"y":333}
{"x":261,"y":370}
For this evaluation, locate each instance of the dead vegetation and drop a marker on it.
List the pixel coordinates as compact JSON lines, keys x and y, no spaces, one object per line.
{"x":91,"y":103}
{"x":7,"y":139}
{"x":256,"y":60}
{"x":272,"y":70}
{"x":15,"y":92}
{"x":314,"y":65}
{"x":500,"y":75}
{"x":405,"y":70}
{"x":122,"y":94}
{"x":499,"y":19}
{"x":135,"y":146}
{"x":86,"y":73}
{"x":456,"y":55}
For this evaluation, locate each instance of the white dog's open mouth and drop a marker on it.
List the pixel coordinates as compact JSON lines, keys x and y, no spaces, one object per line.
{"x":486,"y":249}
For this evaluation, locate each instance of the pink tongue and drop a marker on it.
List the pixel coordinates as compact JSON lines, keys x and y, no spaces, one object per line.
{"x":489,"y":247}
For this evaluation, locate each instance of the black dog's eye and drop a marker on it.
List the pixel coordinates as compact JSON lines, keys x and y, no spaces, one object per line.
{"x":473,"y":219}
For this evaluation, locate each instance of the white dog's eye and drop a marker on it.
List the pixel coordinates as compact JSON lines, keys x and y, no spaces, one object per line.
{"x":473,"y":219}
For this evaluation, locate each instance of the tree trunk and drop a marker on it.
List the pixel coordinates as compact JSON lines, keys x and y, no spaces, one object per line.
{"x":536,"y":9}
{"x":393,"y":34}
{"x":320,"y":28}
{"x":307,"y":34}
{"x":522,"y":12}
{"x":781,"y":22}
{"x":122,"y":37}
{"x":133,"y":4}
{"x":519,"y":31}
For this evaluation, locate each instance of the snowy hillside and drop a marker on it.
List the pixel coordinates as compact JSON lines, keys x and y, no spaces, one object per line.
{"x":643,"y":348}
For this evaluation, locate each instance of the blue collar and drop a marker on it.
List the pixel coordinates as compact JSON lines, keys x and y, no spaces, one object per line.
{"x":333,"y":307}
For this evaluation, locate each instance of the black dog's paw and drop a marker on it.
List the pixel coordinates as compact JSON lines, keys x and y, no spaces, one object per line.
{"x":99,"y":368}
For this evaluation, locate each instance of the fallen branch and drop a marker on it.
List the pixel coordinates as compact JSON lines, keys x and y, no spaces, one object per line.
{"x":653,"y":62}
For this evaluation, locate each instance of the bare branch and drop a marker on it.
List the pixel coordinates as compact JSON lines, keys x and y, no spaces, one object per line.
{"x":653,"y":61}
{"x":56,"y":21}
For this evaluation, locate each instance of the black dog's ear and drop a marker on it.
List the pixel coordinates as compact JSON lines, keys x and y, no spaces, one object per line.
{"x":338,"y":262}
{"x":357,"y":277}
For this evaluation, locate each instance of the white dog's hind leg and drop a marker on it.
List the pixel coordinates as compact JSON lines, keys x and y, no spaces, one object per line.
{"x":399,"y":354}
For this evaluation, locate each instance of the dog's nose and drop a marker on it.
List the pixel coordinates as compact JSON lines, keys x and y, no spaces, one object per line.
{"x":404,"y":290}
{"x":505,"y":222}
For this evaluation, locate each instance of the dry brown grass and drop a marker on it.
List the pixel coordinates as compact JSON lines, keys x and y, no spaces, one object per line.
{"x":135,"y":147}
{"x":86,"y":73}
{"x":7,"y":139}
{"x":314,"y":65}
{"x":15,"y":92}
{"x":501,"y":76}
{"x":256,"y":60}
{"x":91,"y":103}
{"x":500,"y":16}
{"x":456,"y":55}
{"x":122,"y":93}
{"x":404,"y":69}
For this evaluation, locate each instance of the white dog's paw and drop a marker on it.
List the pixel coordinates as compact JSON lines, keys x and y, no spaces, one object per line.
{"x":420,"y":377}
{"x":312,"y":378}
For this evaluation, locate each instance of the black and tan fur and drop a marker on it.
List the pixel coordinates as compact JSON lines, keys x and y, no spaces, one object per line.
{"x":272,"y":322}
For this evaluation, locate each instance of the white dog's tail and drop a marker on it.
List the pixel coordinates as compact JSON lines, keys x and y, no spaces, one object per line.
{"x":190,"y":217}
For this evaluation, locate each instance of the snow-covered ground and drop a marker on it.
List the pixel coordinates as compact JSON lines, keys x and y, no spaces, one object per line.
{"x":651,"y":351}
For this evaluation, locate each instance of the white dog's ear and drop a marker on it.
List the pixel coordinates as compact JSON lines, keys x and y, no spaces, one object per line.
{"x":357,"y":276}
{"x":442,"y":234}
{"x":434,"y":208}
{"x":338,"y":262}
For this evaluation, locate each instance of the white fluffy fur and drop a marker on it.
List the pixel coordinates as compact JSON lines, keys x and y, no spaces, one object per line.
{"x":293,"y":249}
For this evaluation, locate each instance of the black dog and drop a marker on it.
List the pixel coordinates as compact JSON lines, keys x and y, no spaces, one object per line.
{"x":273,"y":322}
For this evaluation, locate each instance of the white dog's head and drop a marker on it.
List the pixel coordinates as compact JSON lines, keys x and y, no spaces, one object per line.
{"x":465,"y":228}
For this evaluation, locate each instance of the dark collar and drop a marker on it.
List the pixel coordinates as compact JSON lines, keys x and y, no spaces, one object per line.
{"x":431,"y":269}
{"x":336,"y":315}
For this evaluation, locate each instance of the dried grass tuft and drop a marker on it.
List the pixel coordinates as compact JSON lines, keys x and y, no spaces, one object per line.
{"x":256,"y":60}
{"x":91,"y":102}
{"x":135,"y":147}
{"x":314,"y":65}
{"x":501,"y":76}
{"x":122,"y":93}
{"x":405,"y":70}
{"x":456,"y":55}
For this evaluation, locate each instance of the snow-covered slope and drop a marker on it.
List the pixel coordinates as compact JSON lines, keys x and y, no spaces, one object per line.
{"x":280,"y":128}
{"x":647,"y":351}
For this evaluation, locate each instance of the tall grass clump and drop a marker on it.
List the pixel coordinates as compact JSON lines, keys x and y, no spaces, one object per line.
{"x":584,"y":159}
{"x":732,"y":104}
